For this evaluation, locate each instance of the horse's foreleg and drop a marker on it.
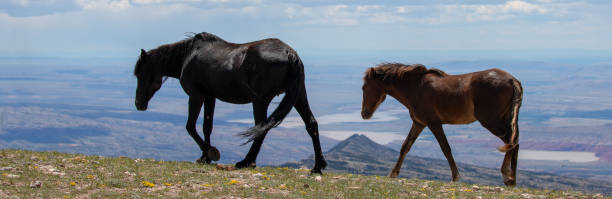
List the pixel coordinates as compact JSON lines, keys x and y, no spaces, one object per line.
{"x":260,"y":114}
{"x":415,"y":130}
{"x":212,"y":154}
{"x":438,"y":132}
{"x":312,"y":127}
{"x":195,"y":104}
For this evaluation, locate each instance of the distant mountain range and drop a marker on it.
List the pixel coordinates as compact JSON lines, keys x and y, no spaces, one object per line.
{"x":360,"y":155}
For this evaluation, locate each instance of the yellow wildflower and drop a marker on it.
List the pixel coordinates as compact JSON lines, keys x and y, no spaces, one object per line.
{"x":148,"y":184}
{"x":303,"y":192}
{"x":467,"y":190}
{"x":168,"y":184}
{"x":4,"y":174}
{"x":282,"y":186}
{"x":72,"y":183}
{"x":233,"y":182}
{"x":207,"y":185}
{"x":66,"y":196}
{"x":90,"y":177}
{"x":265,"y":177}
{"x":452,"y":189}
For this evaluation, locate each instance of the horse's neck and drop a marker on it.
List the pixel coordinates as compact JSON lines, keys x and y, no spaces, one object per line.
{"x":402,"y":92}
{"x":170,"y":59}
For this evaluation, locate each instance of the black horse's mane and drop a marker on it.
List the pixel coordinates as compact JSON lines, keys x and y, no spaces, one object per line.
{"x":169,"y":53}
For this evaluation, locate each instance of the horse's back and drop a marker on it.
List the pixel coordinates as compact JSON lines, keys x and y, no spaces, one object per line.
{"x":272,"y":50}
{"x":465,"y":98}
{"x":240,"y":73}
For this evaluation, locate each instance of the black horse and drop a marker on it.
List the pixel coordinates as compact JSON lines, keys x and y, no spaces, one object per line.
{"x":210,"y":68}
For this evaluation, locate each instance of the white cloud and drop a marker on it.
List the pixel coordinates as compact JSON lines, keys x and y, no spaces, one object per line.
{"x":164,"y":1}
{"x":471,"y":13}
{"x":290,"y":12}
{"x":219,"y":1}
{"x":104,"y":4}
{"x":21,"y":2}
{"x":366,"y":8}
{"x":147,"y":23}
{"x":521,"y":6}
{"x":148,"y":1}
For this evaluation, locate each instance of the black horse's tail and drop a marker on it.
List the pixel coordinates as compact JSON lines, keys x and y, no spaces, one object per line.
{"x":293,"y":89}
{"x":517,"y":98}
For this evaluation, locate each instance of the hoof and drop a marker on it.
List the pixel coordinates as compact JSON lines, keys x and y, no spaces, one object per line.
{"x":203,"y":160}
{"x":456,"y":178}
{"x":213,"y":154}
{"x":245,"y":164}
{"x":510,"y":182}
{"x":393,"y":174}
{"x":323,"y":164}
{"x":316,"y":171}
{"x":319,"y":165}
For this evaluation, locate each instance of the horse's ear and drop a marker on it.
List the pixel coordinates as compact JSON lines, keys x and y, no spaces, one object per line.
{"x":372,"y":74}
{"x":199,"y":36}
{"x":143,"y":53}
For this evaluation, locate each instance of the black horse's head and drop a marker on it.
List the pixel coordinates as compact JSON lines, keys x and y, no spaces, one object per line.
{"x":150,"y":79}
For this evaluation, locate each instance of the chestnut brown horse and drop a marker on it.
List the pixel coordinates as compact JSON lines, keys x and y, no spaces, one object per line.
{"x":493,"y":97}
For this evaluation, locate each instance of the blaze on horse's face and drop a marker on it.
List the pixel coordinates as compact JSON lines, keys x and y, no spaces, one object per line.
{"x":373,"y":95}
{"x":149,"y":81}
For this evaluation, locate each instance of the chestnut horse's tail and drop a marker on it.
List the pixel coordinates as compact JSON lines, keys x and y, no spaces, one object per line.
{"x":517,"y":98}
{"x":293,"y":89}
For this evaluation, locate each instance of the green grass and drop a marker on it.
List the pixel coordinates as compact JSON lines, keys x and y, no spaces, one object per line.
{"x":78,"y":176}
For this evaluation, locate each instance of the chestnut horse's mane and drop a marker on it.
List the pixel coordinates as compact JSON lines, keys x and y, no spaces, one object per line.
{"x":398,"y":71}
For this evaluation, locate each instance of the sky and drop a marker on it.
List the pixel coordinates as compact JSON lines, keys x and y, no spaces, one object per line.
{"x":120,"y":28}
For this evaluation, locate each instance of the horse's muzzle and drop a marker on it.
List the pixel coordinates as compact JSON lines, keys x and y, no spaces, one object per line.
{"x":141,"y":106}
{"x":365,"y":115}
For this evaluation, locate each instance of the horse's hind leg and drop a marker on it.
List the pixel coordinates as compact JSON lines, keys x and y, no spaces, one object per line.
{"x":212,"y":154}
{"x":508,"y":168}
{"x":501,"y":129}
{"x":415,"y":130}
{"x":260,"y":113}
{"x":438,"y":132}
{"x":514,"y":163}
{"x":312,"y":127}
{"x":510,"y":163}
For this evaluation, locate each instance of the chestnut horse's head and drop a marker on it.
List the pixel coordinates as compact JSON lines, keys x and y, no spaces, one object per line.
{"x":373,"y":93}
{"x":379,"y":79}
{"x":149,"y":80}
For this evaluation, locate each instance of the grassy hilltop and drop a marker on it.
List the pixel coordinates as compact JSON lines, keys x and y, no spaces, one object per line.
{"x":360,"y":155}
{"x":27,"y":174}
